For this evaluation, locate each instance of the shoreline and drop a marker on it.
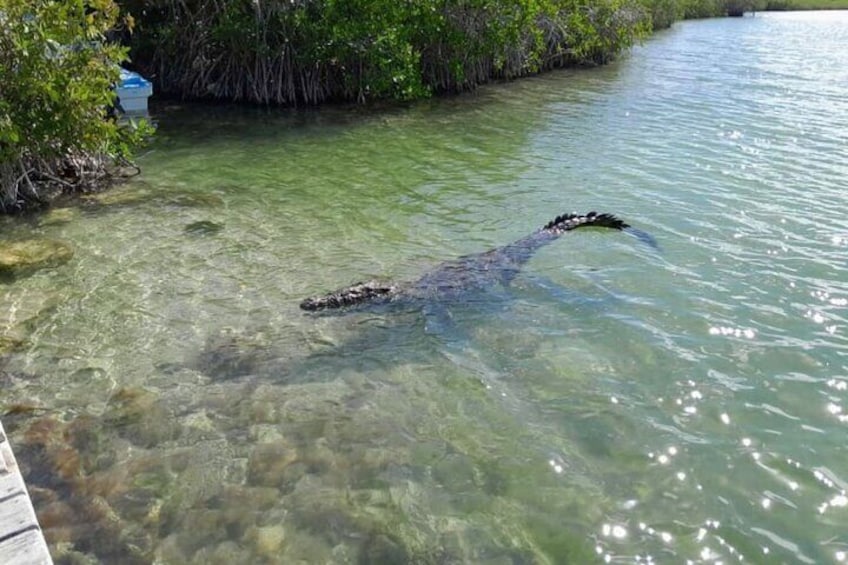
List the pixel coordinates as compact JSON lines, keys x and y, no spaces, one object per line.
{"x":805,"y":6}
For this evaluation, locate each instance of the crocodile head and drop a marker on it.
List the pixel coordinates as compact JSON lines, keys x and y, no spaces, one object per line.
{"x":359,"y":293}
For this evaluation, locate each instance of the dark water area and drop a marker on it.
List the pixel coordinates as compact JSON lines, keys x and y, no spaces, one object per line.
{"x":169,"y":402}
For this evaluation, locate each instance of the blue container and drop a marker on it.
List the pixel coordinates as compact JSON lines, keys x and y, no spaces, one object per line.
{"x":133,"y":92}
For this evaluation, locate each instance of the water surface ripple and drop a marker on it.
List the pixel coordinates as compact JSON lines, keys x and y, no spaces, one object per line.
{"x":172,"y":403}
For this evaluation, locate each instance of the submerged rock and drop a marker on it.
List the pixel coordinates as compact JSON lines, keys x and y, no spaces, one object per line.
{"x":26,"y":256}
{"x":137,"y":415}
{"x":118,"y":197}
{"x":93,"y":441}
{"x":230,"y":354}
{"x":9,"y":344}
{"x":21,"y":310}
{"x":138,"y":193}
{"x":56,"y":216}
{"x":223,"y":553}
{"x":89,"y":517}
{"x":271,"y":465}
{"x":267,"y":541}
{"x":195,"y":200}
{"x":380,"y":548}
{"x":203,"y":227}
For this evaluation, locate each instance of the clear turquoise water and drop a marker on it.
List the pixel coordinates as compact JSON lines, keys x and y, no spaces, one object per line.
{"x":673,"y":406}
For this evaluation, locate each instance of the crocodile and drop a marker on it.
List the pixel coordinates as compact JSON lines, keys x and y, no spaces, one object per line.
{"x":454,"y":279}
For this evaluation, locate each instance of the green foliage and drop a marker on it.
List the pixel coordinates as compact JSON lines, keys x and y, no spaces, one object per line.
{"x":373,"y":38}
{"x":604,"y":27}
{"x":701,"y":8}
{"x":56,"y":75}
{"x":665,"y":12}
{"x":290,"y":51}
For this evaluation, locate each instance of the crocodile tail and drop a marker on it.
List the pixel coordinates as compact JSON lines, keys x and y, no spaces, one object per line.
{"x":358,"y":293}
{"x":568,"y":222}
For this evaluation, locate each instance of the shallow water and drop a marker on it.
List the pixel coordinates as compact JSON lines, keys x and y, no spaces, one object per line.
{"x":171,"y":402}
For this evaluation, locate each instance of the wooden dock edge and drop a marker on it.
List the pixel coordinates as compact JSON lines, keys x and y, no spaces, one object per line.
{"x":21,"y":539}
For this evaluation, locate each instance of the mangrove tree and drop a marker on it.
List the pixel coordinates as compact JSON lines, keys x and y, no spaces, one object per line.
{"x":57,"y":73}
{"x":312,"y":51}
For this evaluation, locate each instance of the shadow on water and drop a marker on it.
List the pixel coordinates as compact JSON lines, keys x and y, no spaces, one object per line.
{"x":255,"y":353}
{"x":443,"y":338}
{"x":390,"y":333}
